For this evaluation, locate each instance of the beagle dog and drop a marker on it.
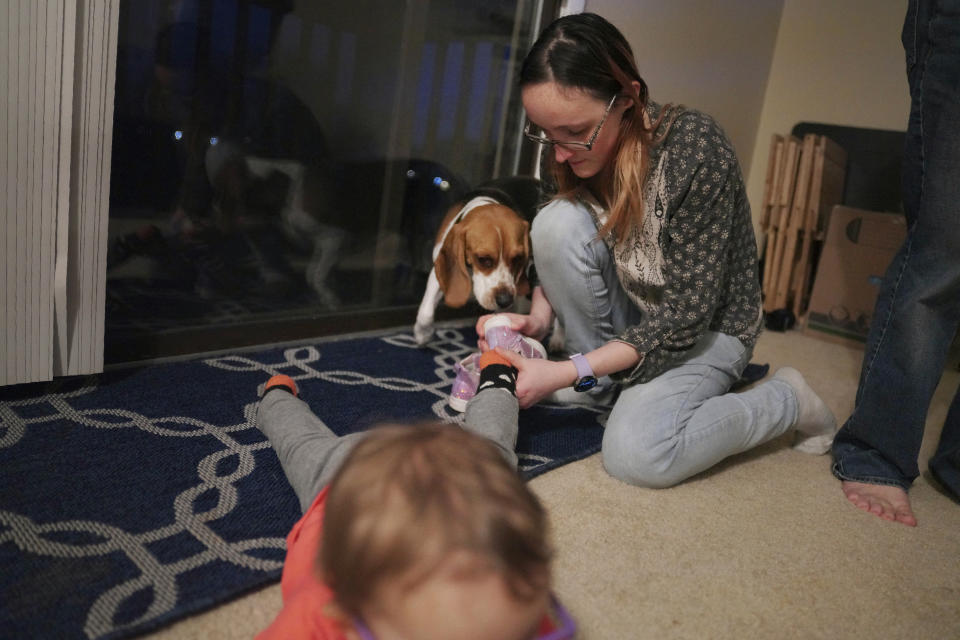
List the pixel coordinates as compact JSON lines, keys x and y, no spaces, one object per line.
{"x":482,"y":251}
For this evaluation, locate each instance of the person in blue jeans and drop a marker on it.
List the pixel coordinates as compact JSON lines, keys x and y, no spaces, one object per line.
{"x":918,"y":308}
{"x":647,"y":257}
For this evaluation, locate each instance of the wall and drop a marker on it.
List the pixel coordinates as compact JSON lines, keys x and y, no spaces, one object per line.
{"x":759,"y":66}
{"x":836,"y":63}
{"x":691,"y":52}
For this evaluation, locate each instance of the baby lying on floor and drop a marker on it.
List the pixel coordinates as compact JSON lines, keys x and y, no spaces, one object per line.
{"x":411,"y":531}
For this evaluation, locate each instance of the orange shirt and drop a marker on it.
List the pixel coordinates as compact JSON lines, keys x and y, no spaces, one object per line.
{"x":304,"y":595}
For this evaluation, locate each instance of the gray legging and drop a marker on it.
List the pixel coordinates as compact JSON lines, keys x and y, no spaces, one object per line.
{"x":310,"y":453}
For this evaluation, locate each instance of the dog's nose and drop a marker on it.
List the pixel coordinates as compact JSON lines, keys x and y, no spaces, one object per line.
{"x":504,"y":299}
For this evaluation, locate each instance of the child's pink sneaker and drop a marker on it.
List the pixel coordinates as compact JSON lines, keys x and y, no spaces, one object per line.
{"x":498,"y":333}
{"x":465,"y":384}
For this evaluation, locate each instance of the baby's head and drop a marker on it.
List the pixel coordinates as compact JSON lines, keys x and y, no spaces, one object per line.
{"x":429,"y":533}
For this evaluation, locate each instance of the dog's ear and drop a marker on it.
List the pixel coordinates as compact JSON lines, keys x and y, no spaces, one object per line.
{"x":451,"y":268}
{"x":523,"y":285}
{"x":523,"y":282}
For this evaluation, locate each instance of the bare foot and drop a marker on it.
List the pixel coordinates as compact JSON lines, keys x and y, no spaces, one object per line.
{"x":888,"y":502}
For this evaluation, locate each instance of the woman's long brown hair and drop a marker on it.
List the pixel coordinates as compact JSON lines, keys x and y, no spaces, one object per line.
{"x":584,"y":52}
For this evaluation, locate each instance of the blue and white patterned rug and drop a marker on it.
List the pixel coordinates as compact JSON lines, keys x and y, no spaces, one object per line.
{"x":137,"y":497}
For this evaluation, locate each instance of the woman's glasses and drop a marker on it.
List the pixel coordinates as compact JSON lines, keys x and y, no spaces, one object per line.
{"x":536,"y":133}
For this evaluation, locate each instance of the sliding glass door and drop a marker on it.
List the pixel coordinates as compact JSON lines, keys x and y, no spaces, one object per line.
{"x":280,"y":167}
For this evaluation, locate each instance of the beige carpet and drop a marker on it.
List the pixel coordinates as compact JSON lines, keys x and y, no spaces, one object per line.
{"x":762,"y":546}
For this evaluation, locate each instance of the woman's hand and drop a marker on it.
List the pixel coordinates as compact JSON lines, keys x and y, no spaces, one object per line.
{"x":538,"y":378}
{"x":528,"y":325}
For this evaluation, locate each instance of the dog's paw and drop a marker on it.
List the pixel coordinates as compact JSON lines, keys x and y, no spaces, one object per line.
{"x":422,"y":333}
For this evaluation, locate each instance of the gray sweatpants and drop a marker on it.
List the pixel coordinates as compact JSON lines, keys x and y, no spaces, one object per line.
{"x":310,"y":453}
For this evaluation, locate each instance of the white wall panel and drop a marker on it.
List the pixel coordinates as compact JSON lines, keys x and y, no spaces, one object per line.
{"x":57,"y":75}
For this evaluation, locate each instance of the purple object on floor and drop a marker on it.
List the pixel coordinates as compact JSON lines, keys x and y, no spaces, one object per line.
{"x":465,"y":384}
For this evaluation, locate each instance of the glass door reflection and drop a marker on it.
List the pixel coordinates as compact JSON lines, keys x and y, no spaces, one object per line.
{"x":277,"y":159}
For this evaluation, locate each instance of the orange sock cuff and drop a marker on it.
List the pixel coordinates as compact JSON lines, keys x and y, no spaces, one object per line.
{"x":281,"y":380}
{"x":492,"y":357}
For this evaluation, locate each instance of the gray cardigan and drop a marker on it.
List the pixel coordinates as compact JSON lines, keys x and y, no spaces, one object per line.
{"x":691,"y":266}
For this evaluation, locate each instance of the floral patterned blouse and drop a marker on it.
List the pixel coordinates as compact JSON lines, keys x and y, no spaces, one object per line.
{"x":691,"y":265}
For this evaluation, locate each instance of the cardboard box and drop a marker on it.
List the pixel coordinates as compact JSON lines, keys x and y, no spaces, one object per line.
{"x":858,"y":248}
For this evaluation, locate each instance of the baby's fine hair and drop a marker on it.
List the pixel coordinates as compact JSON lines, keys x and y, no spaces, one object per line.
{"x":409,"y":495}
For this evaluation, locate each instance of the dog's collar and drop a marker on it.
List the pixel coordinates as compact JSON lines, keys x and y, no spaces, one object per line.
{"x":479,"y":201}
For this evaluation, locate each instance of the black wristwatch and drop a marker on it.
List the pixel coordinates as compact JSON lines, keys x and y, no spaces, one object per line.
{"x":585,"y":378}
